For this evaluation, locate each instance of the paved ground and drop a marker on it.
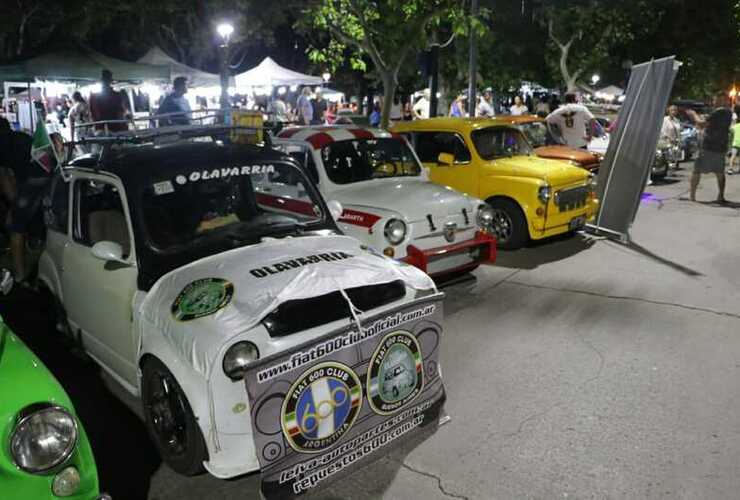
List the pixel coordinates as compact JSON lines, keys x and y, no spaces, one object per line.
{"x":574,"y":369}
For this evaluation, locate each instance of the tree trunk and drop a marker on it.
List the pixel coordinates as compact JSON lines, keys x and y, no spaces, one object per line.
{"x":389,"y":93}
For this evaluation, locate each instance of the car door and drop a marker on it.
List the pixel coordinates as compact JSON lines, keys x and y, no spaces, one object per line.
{"x":98,"y":294}
{"x":462,"y":174}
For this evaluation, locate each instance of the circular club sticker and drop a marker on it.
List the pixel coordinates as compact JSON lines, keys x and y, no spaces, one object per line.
{"x":321,"y":407}
{"x":395,"y":376}
{"x":201,"y":298}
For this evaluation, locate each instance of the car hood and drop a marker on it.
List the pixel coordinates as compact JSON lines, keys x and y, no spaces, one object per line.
{"x":580,"y":156}
{"x":413,"y":198}
{"x":240,"y":287}
{"x":555,"y":172}
{"x":20,"y":368}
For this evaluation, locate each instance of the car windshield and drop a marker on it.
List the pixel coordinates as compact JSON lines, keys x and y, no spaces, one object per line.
{"x":535,"y":132}
{"x":364,"y":159}
{"x":242,"y":203}
{"x":497,"y":142}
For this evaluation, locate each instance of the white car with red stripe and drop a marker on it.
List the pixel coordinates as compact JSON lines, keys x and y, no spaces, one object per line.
{"x":387,"y":200}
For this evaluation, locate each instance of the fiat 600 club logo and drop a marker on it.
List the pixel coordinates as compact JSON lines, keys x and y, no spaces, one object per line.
{"x":321,"y":407}
{"x":395,"y":376}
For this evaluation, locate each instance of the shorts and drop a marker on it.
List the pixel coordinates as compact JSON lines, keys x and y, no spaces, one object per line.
{"x":27,"y":204}
{"x":710,"y":162}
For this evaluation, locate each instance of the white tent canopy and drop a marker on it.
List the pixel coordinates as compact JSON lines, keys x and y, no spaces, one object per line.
{"x":268,"y":73}
{"x":196,"y":77}
{"x":611,"y":90}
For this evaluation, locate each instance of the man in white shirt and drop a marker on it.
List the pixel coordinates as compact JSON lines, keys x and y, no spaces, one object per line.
{"x":670,"y":132}
{"x":573,"y":121}
{"x":485,"y":105}
{"x":421,"y":108}
{"x":519,"y":108}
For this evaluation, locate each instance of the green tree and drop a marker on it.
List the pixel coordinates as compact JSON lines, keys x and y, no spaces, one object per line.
{"x":386,"y":32}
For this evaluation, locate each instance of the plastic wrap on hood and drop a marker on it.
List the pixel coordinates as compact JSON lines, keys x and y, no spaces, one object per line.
{"x":261,"y":277}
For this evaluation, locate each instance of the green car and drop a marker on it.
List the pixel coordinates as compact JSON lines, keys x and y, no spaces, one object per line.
{"x":45,"y":453}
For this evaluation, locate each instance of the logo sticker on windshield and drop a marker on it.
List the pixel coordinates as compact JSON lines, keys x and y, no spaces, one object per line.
{"x":396,"y":374}
{"x":201,"y":298}
{"x":321,"y":407}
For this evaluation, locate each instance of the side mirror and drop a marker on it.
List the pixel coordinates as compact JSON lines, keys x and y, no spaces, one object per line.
{"x":335,"y":209}
{"x":108,"y":251}
{"x":445,"y":159}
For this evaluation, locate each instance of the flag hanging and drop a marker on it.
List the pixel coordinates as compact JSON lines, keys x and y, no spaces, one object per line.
{"x":42,"y":149}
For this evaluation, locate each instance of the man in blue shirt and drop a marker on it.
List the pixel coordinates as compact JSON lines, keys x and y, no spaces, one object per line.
{"x":175,"y":102}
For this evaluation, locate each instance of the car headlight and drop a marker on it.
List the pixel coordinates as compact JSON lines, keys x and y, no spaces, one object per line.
{"x":395,"y":231}
{"x":238,"y":357}
{"x":44,"y":437}
{"x":544,"y":194}
{"x":485,"y":218}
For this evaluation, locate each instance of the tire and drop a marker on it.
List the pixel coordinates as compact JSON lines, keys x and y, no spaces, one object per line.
{"x":170,"y":420}
{"x":511,"y":232}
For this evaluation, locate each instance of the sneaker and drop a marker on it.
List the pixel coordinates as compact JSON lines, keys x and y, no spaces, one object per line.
{"x":6,"y":281}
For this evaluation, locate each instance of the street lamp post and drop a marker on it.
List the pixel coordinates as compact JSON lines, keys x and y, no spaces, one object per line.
{"x":225,"y":30}
{"x":595,"y":79}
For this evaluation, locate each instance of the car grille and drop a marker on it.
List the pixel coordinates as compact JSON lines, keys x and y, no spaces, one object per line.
{"x":571,"y":199}
{"x":302,"y":314}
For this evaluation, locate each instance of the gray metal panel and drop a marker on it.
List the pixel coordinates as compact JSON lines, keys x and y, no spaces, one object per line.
{"x":632,"y":146}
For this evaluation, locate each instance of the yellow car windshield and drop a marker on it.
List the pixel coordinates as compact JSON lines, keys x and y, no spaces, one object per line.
{"x":498,"y":142}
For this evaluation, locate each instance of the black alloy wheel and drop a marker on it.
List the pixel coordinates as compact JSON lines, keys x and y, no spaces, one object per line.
{"x":170,"y":420}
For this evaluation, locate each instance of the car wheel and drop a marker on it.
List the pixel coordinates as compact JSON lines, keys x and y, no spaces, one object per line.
{"x":509,"y":224}
{"x":170,"y":420}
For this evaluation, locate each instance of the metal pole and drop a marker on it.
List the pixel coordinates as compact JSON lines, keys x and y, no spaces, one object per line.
{"x":473,"y":62}
{"x":433,"y":80}
{"x":225,"y":76}
{"x":31,"y":107}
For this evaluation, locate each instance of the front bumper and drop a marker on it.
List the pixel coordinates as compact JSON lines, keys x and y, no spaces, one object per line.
{"x":457,"y":257}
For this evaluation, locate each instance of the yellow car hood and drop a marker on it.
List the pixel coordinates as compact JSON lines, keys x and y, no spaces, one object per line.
{"x":554,"y":172}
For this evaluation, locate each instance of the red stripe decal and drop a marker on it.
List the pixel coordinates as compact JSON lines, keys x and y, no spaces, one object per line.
{"x":356,"y":218}
{"x":361,"y":133}
{"x":320,"y":140}
{"x":287,"y":204}
{"x":288,"y":132}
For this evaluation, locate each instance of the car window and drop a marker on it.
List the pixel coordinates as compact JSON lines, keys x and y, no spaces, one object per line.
{"x":429,"y":145}
{"x":100,"y":215}
{"x":359,"y":160}
{"x":497,"y":142}
{"x":241,"y":204}
{"x":56,"y":214}
{"x":535,"y":132}
{"x":304,"y":158}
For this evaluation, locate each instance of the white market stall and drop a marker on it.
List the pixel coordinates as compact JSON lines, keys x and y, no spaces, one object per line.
{"x":269,"y":74}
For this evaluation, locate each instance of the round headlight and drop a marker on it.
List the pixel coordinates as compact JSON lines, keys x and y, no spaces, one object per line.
{"x":395,"y":231}
{"x":238,"y":357}
{"x":43,"y":438}
{"x":544,"y":194}
{"x":485,"y":217}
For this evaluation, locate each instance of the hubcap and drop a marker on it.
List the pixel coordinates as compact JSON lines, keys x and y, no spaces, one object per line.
{"x":502,"y":225}
{"x":167,"y":414}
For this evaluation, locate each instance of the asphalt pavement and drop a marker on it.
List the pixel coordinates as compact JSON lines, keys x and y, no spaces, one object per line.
{"x":576,"y":368}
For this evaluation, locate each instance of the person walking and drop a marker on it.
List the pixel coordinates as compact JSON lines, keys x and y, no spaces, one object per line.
{"x":485,"y":105}
{"x":421,"y":108}
{"x":108,"y":104}
{"x":457,"y":108}
{"x":375,"y":115}
{"x":670,"y":131}
{"x":175,"y":105}
{"x":518,"y":108}
{"x":318,"y":105}
{"x":78,"y":113}
{"x":735,"y":156}
{"x":304,"y":108}
{"x":714,"y":145}
{"x":573,"y":121}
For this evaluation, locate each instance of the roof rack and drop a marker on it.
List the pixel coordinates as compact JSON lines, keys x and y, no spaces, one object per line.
{"x":166,"y":134}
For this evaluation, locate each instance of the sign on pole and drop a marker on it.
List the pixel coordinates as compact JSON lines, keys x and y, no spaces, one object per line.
{"x":631,"y":152}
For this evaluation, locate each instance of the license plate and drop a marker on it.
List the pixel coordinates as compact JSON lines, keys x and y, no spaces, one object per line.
{"x":577,"y":223}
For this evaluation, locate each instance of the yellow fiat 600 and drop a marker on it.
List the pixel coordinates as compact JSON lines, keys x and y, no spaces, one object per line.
{"x":532,"y":197}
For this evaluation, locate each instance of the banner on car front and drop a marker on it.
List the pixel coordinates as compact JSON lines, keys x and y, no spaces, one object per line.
{"x":323,"y":409}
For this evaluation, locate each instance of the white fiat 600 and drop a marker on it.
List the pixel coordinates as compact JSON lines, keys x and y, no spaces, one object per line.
{"x":174,"y":273}
{"x":388,"y":201}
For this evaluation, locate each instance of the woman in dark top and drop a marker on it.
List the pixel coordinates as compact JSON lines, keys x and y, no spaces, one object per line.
{"x":713,"y":146}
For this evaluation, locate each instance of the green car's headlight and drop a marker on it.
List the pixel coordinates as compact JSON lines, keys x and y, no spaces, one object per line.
{"x":44,"y":437}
